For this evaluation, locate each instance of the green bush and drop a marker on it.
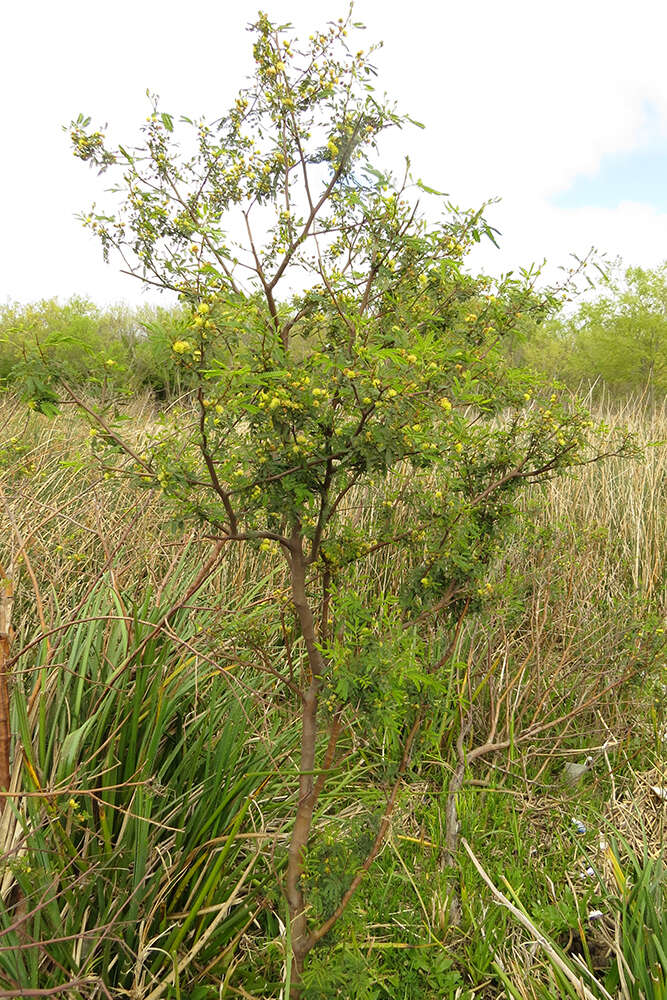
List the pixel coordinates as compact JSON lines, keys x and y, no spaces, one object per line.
{"x":117,"y":350}
{"x":619,"y":339}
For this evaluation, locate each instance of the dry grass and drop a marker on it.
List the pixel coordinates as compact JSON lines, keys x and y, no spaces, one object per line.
{"x":618,"y":508}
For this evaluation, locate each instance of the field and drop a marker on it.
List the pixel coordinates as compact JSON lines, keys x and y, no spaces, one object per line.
{"x":154,"y":762}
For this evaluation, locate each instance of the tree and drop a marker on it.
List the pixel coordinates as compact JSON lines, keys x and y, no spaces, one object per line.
{"x":352,"y":402}
{"x":620,"y":337}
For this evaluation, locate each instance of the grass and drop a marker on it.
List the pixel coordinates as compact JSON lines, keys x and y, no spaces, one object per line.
{"x":158,"y":757}
{"x":135,"y":849}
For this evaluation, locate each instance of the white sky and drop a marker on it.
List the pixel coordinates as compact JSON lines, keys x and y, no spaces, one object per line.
{"x":520,"y":99}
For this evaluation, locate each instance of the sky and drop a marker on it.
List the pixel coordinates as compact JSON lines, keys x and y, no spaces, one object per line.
{"x":557,"y":108}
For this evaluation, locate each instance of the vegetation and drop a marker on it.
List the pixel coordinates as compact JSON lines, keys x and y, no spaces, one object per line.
{"x":617,"y":340}
{"x":127,"y":749}
{"x":613,"y":344}
{"x":108,"y":353}
{"x":284,"y":639}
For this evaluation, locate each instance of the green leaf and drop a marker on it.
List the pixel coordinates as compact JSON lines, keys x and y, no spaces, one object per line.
{"x":430,"y":190}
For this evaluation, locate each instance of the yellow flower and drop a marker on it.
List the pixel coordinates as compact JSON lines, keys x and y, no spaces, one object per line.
{"x":458,"y":447}
{"x":445,"y":403}
{"x":181,"y":346}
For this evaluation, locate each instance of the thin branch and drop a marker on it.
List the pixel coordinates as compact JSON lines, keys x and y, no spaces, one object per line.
{"x":210,"y":465}
{"x":291,"y":250}
{"x":328,"y":756}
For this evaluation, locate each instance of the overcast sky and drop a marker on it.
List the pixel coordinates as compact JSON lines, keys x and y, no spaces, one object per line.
{"x":558,"y":107}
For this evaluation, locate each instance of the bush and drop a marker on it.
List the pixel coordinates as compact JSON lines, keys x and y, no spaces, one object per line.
{"x":619,"y":339}
{"x":117,"y":350}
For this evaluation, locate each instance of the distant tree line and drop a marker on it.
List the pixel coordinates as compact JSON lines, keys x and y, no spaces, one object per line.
{"x":117,"y":349}
{"x":615,"y":342}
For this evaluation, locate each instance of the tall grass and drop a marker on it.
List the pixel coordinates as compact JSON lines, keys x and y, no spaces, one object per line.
{"x":614,"y":512}
{"x":131,"y":861}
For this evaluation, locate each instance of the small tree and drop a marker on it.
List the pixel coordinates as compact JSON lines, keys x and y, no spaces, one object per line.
{"x":351,"y":397}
